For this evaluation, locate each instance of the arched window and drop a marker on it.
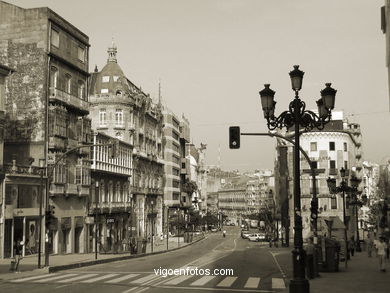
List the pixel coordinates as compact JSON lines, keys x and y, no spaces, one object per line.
{"x":81,"y":90}
{"x":53,"y":77}
{"x":68,"y":83}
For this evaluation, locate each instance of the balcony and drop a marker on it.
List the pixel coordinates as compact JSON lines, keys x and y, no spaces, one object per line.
{"x":56,"y":143}
{"x":83,"y":190}
{"x":57,"y":189}
{"x":68,"y":100}
{"x":71,"y":188}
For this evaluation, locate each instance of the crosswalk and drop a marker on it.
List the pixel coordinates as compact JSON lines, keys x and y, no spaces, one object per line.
{"x":144,"y":279}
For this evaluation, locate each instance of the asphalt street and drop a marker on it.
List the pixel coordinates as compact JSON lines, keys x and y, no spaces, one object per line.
{"x":253,"y":267}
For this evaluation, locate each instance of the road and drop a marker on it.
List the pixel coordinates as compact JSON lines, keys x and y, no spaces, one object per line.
{"x":252,"y":267}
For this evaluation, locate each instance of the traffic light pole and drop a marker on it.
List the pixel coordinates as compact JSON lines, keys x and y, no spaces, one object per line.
{"x":48,"y":183}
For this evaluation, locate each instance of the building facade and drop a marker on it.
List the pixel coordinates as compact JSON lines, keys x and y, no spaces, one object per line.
{"x":338,"y":145}
{"x":122,"y":110}
{"x":47,"y":107}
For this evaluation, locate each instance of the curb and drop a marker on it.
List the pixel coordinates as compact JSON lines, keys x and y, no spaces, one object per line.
{"x":107,"y":260}
{"x":10,"y":276}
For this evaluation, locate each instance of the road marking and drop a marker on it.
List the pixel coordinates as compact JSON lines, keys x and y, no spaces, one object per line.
{"x":278,"y":283}
{"x":31,"y":278}
{"x":145,"y":279}
{"x":252,"y":282}
{"x":278,"y":265}
{"x":76,"y":278}
{"x":122,"y":278}
{"x":54,"y":278}
{"x":227,"y":282}
{"x":215,"y":289}
{"x":202,"y":281}
{"x":178,"y":280}
{"x":99,"y":278}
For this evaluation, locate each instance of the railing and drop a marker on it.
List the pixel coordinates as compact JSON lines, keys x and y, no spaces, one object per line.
{"x":68,"y":99}
{"x":19,"y":169}
{"x":71,"y":188}
{"x":83,"y":190}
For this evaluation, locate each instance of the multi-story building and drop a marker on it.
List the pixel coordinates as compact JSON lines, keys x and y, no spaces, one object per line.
{"x":172,"y":157}
{"x":4,"y":74}
{"x":111,"y":198}
{"x":46,"y":108}
{"x":122,"y":110}
{"x":185,"y":198}
{"x":337,"y":146}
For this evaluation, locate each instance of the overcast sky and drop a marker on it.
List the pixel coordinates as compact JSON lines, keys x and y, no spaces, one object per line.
{"x":213,"y":57}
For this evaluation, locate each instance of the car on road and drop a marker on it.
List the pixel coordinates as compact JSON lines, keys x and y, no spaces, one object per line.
{"x":214,"y":229}
{"x":257,"y":237}
{"x":245,"y":234}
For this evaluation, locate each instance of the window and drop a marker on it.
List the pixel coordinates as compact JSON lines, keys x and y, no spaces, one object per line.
{"x":315,"y":164}
{"x":104,"y":91}
{"x":105,"y":78}
{"x":68,"y":83}
{"x":346,"y":165}
{"x":331,"y":146}
{"x":53,"y":77}
{"x":81,"y":90}
{"x":175,"y":196}
{"x":345,"y":147}
{"x":115,"y":78}
{"x":332,"y":164}
{"x":184,"y":199}
{"x":81,"y":53}
{"x":78,"y":175}
{"x":175,"y":171}
{"x":175,"y":184}
{"x":55,"y":38}
{"x":313,"y":146}
{"x":119,"y":118}
{"x":102,"y":118}
{"x":333,"y":203}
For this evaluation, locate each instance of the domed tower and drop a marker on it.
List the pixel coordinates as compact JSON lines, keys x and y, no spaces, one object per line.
{"x":111,"y":100}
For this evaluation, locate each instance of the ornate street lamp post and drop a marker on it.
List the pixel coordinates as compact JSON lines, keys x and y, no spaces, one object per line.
{"x":344,"y":188}
{"x":299,"y":117}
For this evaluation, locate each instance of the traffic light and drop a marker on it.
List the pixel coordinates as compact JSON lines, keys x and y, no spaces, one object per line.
{"x":314,"y":209}
{"x":50,"y":214}
{"x":234,"y":137}
{"x":113,"y":149}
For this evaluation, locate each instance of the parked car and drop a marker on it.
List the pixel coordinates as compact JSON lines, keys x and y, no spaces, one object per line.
{"x":245,"y":234}
{"x":257,"y":237}
{"x":214,"y":229}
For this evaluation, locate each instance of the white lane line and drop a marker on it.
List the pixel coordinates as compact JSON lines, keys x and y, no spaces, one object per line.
{"x":77,"y":278}
{"x":178,"y":280}
{"x":145,"y":279}
{"x":278,"y":265}
{"x":99,"y":278}
{"x":48,"y":279}
{"x":120,"y":279}
{"x":227,"y":282}
{"x":252,"y":282}
{"x":202,"y":281}
{"x":278,"y":283}
{"x":32,"y":278}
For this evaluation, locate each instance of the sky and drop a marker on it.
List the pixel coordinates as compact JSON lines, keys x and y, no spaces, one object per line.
{"x":214,"y":56}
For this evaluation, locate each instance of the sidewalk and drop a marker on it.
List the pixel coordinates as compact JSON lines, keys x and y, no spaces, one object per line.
{"x":361,"y":276}
{"x":28,"y":265}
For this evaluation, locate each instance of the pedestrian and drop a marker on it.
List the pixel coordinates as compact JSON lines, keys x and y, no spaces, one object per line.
{"x":18,"y":252}
{"x":381,"y":252}
{"x":352,"y":245}
{"x":309,"y":248}
{"x":370,"y":245}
